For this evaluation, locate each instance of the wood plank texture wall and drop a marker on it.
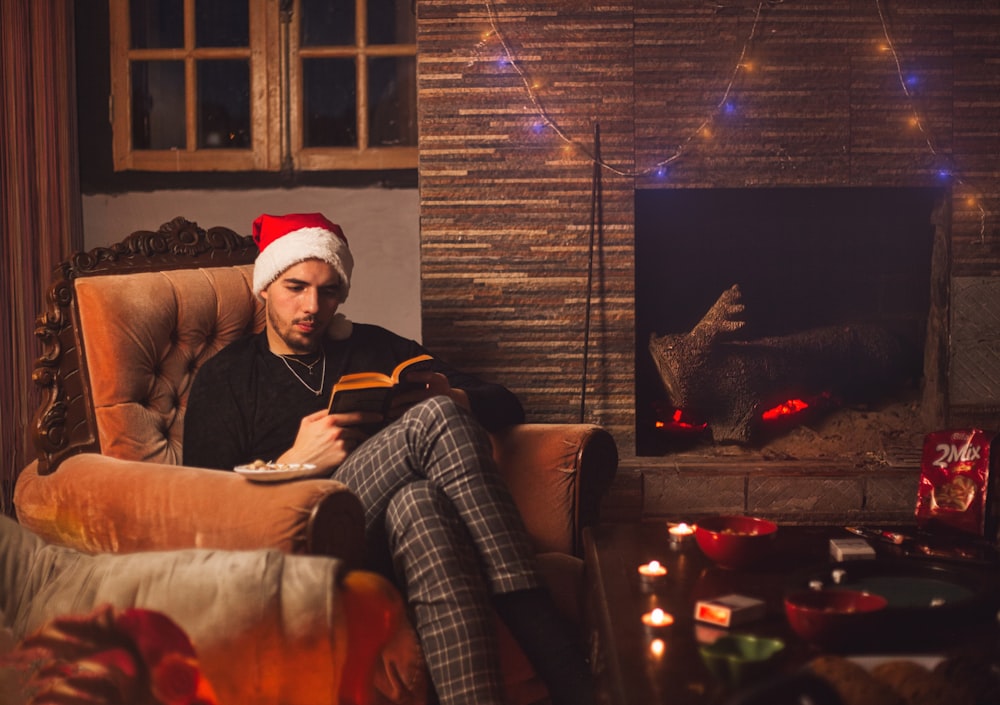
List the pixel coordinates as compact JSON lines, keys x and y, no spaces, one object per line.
{"x":507,"y":179}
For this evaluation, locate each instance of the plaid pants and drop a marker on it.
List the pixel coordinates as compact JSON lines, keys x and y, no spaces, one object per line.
{"x":439,"y":512}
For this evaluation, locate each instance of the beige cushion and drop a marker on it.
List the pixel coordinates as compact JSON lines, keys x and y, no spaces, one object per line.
{"x":268,"y":628}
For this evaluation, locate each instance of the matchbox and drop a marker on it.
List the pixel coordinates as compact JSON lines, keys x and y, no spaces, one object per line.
{"x":729,"y":610}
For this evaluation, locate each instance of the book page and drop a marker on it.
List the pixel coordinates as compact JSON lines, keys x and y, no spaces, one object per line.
{"x":372,"y":391}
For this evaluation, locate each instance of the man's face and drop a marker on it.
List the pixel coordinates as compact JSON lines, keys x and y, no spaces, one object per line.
{"x":300,"y":304}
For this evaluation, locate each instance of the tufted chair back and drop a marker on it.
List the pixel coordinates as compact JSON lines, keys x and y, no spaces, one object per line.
{"x":146,"y":335}
{"x":148,"y":312}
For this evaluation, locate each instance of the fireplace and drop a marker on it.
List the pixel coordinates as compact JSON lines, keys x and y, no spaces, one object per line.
{"x":803,"y":311}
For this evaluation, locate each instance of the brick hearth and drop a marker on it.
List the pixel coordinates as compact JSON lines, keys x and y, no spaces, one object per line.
{"x":789,"y":492}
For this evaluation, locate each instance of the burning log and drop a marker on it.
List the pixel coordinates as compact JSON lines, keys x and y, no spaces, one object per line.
{"x":728,"y":381}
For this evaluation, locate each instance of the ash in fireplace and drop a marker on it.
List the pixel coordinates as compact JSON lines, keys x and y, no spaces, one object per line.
{"x":890,"y":435}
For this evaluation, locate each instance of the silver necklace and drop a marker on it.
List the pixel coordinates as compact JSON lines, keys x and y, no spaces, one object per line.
{"x":305,"y":384}
{"x":309,"y":366}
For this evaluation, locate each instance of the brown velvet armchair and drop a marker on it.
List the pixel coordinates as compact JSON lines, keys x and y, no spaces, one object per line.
{"x":124,"y":331}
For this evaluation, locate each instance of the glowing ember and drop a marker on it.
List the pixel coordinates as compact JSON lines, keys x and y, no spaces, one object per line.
{"x":680,"y":421}
{"x":789,"y":408}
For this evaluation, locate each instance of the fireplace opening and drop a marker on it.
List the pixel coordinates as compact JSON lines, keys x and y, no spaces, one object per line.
{"x":777,"y":318}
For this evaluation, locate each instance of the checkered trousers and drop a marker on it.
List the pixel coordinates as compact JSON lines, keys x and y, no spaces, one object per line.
{"x":438,"y":511}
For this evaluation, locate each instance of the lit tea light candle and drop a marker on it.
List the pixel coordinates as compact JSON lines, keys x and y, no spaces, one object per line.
{"x":656,"y":622}
{"x":680,"y":534}
{"x":652,"y":574}
{"x":653,"y":568}
{"x":681,"y":530}
{"x":657,"y":619}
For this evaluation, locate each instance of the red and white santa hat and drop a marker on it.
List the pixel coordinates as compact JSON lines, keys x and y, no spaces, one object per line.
{"x":284,"y":240}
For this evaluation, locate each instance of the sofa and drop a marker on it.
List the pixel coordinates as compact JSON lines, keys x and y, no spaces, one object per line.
{"x":267,"y":627}
{"x":125,"y":329}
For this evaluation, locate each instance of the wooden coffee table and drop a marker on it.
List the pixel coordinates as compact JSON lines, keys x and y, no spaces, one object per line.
{"x":626,"y":671}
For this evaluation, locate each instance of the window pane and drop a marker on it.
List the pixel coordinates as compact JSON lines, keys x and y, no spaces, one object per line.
{"x":329,"y":91}
{"x":158,"y":105}
{"x":222,"y":23}
{"x":223,"y":104}
{"x":327,"y":23}
{"x":391,"y":22}
{"x":156,"y":24}
{"x":392,"y":120}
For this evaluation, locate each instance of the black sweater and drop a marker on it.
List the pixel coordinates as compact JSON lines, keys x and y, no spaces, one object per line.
{"x":245,"y":405}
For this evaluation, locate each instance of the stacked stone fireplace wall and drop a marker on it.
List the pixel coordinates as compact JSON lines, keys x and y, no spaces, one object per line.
{"x":528,"y":250}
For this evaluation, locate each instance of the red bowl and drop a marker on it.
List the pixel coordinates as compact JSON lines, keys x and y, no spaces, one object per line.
{"x":735,"y":541}
{"x":835,"y":619}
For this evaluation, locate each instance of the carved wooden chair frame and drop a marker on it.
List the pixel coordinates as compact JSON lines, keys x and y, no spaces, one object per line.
{"x":65,"y":424}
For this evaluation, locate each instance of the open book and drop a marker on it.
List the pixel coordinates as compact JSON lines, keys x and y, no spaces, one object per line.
{"x":373,"y":391}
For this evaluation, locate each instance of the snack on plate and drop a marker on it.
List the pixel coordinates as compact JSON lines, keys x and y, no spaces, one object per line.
{"x":917,"y":685}
{"x":272,"y":466}
{"x":968,"y":678}
{"x":852,"y":681}
{"x":262,"y":471}
{"x":973,"y":677}
{"x":954,"y":489}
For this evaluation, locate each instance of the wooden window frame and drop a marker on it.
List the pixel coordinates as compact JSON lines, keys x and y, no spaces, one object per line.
{"x":275,"y":103}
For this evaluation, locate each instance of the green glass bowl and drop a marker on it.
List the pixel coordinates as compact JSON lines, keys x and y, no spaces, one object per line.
{"x":737,"y":659}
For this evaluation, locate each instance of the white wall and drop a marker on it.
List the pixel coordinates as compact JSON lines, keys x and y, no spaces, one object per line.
{"x":381,"y":225}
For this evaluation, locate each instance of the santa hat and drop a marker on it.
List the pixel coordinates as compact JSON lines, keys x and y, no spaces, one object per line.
{"x":284,"y":240}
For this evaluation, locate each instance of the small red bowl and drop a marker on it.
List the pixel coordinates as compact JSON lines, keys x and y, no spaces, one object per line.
{"x":835,"y":619}
{"x":735,"y":541}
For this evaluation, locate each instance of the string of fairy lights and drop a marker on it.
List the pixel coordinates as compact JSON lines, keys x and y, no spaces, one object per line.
{"x":544,"y":120}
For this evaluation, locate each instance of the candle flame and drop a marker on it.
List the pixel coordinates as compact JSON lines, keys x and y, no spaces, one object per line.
{"x":653,"y":568}
{"x":681,"y":529}
{"x":658,"y":618}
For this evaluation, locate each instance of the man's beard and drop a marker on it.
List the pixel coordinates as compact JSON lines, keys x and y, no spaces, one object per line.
{"x":295,"y":341}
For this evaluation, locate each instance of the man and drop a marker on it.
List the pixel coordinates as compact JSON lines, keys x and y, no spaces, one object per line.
{"x":439,"y":519}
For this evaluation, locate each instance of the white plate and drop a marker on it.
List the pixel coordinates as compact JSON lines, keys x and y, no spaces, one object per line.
{"x":276,"y":472}
{"x":870,"y":661}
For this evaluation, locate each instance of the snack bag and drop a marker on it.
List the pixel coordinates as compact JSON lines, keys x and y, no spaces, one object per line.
{"x":955,"y":481}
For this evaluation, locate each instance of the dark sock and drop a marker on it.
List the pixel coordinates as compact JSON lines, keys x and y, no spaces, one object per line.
{"x":550,"y":642}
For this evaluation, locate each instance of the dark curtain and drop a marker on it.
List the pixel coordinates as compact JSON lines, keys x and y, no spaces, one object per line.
{"x":40,"y":194}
